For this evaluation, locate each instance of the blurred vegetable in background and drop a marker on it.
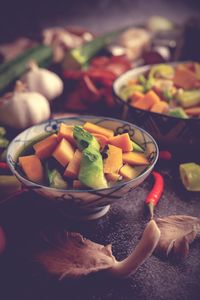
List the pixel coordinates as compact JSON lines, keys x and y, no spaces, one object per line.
{"x":190,"y":176}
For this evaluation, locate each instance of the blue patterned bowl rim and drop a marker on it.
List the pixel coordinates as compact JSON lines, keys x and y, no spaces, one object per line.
{"x":13,"y":169}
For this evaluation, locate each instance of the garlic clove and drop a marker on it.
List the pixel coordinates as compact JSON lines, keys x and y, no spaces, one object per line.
{"x":43,"y":81}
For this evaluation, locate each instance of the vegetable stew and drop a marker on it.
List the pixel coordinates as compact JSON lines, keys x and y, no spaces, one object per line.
{"x":80,"y":157}
{"x":173,"y":90}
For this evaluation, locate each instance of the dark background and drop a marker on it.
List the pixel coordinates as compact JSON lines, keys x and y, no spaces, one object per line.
{"x":28,"y":17}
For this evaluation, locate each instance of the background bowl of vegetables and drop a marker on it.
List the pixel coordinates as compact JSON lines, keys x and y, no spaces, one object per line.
{"x":82,"y":164}
{"x":165,"y":100}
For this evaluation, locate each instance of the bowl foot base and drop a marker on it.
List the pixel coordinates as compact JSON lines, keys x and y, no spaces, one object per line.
{"x":89,"y":216}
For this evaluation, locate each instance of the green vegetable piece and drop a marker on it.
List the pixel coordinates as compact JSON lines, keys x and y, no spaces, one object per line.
{"x":178,"y":112}
{"x":2,"y":131}
{"x":137,"y":147}
{"x":127,"y":90}
{"x":79,"y":56}
{"x":188,"y":98}
{"x":159,"y":23}
{"x":190,"y":176}
{"x":168,"y":95}
{"x":12,"y":70}
{"x":56,"y":180}
{"x":161,"y":70}
{"x":84,"y":138}
{"x":3,"y":143}
{"x":142,"y":79}
{"x":148,"y":84}
{"x":91,"y":169}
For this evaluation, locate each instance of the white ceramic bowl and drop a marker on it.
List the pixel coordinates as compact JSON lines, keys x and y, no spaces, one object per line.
{"x":83,"y":204}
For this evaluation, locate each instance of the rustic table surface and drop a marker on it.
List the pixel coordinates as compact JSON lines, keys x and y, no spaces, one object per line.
{"x":27,"y":215}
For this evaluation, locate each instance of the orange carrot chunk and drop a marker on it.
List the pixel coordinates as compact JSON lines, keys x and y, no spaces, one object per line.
{"x":66,"y":131}
{"x":64,"y":152}
{"x":128,"y":172}
{"x":134,"y":158}
{"x":101,"y":139}
{"x":122,"y":141}
{"x":184,"y":78}
{"x":113,"y":162}
{"x":114,"y":177}
{"x":147,"y":101}
{"x":93,"y":128}
{"x":32,"y":167}
{"x":45,"y":148}
{"x":137,"y":96}
{"x":160,"y":107}
{"x":73,"y":167}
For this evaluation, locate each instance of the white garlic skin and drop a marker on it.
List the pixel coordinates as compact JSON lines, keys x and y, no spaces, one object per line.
{"x":24,"y":109}
{"x":44,"y":82}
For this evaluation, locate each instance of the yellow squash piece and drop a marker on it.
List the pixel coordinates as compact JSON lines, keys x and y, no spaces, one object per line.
{"x":32,"y":167}
{"x":64,"y":152}
{"x":122,"y":141}
{"x":113,"y":162}
{"x":137,"y":159}
{"x":114,"y":177}
{"x":45,"y":148}
{"x":66,"y":131}
{"x":93,"y":128}
{"x":73,"y":167}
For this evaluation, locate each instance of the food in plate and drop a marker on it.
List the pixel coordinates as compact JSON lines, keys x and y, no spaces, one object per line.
{"x":74,"y":256}
{"x":177,"y":232}
{"x":83,"y":156}
{"x":168,"y":89}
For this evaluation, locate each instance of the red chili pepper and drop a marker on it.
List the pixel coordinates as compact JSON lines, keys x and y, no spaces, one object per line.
{"x":155,"y":194}
{"x":4,"y":165}
{"x":166,"y":155}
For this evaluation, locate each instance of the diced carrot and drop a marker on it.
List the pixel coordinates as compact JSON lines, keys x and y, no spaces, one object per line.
{"x":102,"y":139}
{"x":160,"y":107}
{"x":93,"y":128}
{"x":77,"y":184}
{"x":45,"y":148}
{"x":128,"y":172}
{"x":113,"y":177}
{"x":32,"y":167}
{"x":64,"y":152}
{"x":137,"y":96}
{"x":184,"y":78}
{"x":147,"y":101}
{"x":122,"y":141}
{"x":73,"y":167}
{"x":134,"y":158}
{"x":113,"y":162}
{"x":66,"y":131}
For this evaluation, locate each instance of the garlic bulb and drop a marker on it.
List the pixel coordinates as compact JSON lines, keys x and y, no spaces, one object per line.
{"x":22,"y":109}
{"x":43,"y":81}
